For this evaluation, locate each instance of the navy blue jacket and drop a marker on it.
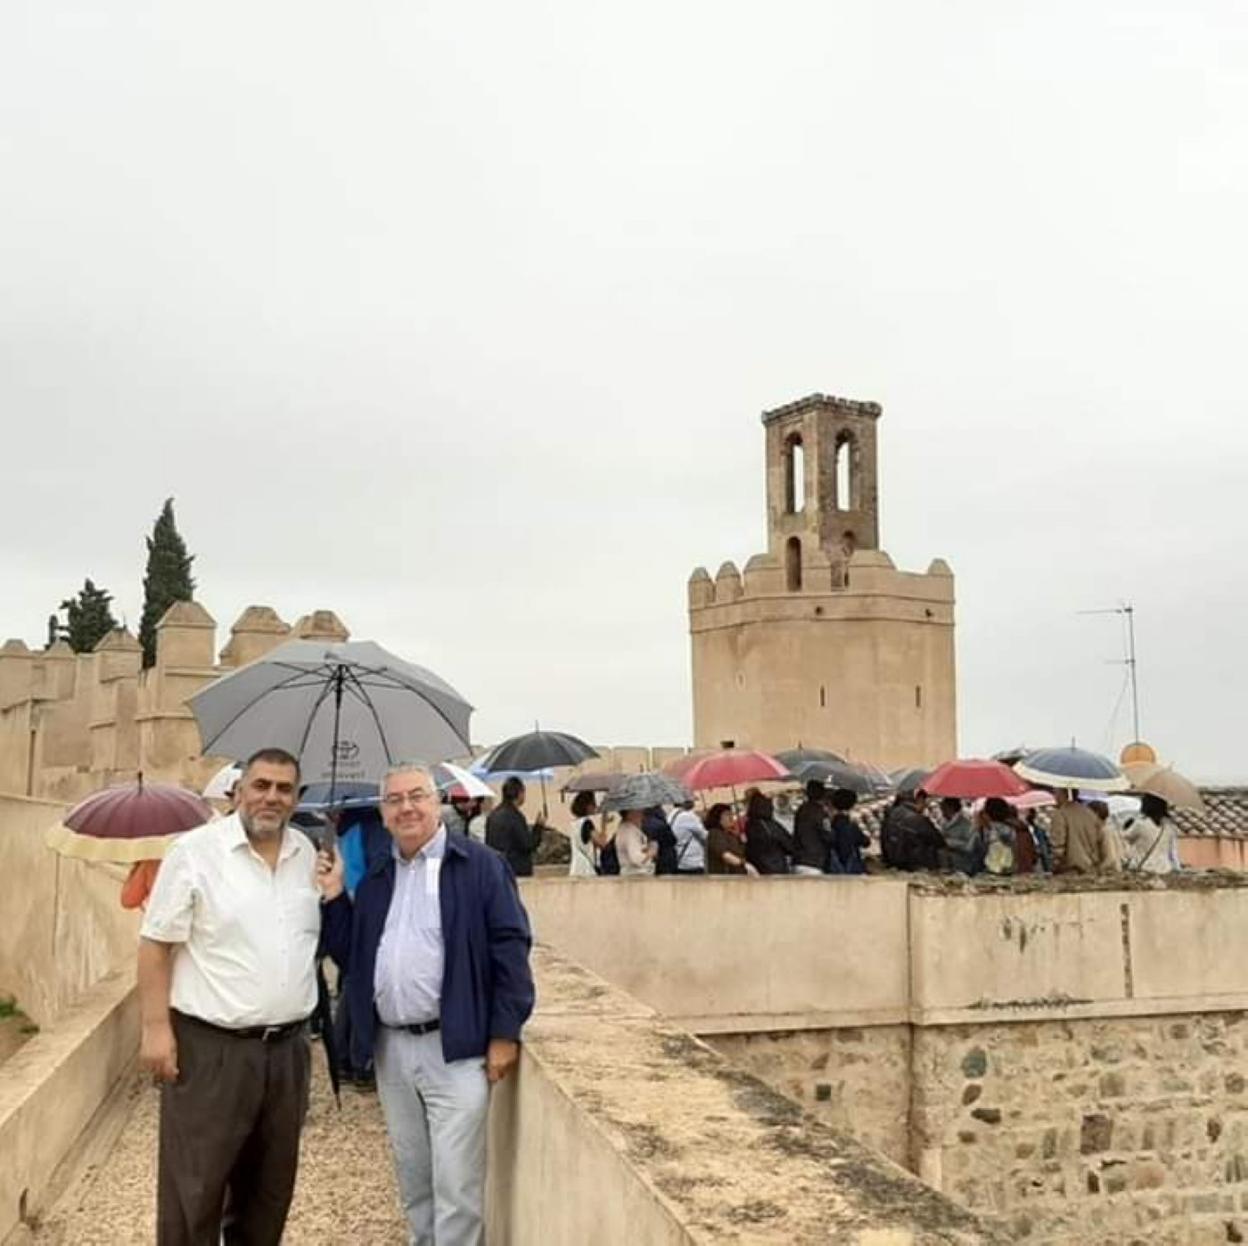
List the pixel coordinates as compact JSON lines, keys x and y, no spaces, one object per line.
{"x":487,"y":986}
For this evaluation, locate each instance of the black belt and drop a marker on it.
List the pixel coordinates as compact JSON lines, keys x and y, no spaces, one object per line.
{"x":265,"y":1033}
{"x":420,"y":1027}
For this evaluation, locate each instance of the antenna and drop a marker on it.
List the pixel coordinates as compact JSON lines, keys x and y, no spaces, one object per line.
{"x":1127,"y":610}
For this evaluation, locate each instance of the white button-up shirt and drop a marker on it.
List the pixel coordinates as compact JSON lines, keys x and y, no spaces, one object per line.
{"x":247,"y":935}
{"x":407,"y":980}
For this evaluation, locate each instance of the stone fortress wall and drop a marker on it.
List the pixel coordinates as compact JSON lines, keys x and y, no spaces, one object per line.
{"x":1067,"y":1058}
{"x":821,"y":640}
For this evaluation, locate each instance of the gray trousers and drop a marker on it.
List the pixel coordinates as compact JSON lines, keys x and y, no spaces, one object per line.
{"x":436,"y":1118}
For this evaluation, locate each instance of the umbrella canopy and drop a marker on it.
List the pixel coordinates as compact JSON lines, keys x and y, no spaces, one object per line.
{"x":316,"y":798}
{"x":1073,"y":768}
{"x":535,"y":750}
{"x":834,"y":774}
{"x":1163,"y":781}
{"x":128,"y":824}
{"x":971,"y":778}
{"x":222,"y":783}
{"x":795,"y":757}
{"x":644,"y":791}
{"x":910,"y":779}
{"x":595,"y":781}
{"x":347,"y":711}
{"x":732,"y":768}
{"x":459,"y":783}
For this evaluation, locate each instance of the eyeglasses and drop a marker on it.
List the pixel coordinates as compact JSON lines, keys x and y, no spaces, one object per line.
{"x":396,"y":800}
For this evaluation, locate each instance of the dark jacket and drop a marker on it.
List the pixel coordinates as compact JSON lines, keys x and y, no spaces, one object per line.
{"x":506,"y":831}
{"x":909,"y":839}
{"x":656,"y":829}
{"x":812,"y":833}
{"x":768,"y":846}
{"x":848,"y":841}
{"x":487,"y":986}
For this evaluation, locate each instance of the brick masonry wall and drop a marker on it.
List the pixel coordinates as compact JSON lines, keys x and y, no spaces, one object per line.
{"x":854,"y":1079}
{"x":1117,"y":1131}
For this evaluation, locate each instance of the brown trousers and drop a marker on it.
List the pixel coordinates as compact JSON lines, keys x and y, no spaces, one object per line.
{"x":229,"y":1137}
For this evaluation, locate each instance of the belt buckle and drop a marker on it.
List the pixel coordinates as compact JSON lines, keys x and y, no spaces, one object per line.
{"x":271,"y":1032}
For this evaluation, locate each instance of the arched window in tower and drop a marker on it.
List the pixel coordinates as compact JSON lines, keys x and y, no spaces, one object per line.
{"x":793,"y":564}
{"x":844,"y":472}
{"x":794,"y":475}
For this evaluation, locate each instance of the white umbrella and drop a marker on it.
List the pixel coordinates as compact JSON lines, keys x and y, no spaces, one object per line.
{"x":446,"y":775}
{"x":222,"y":783}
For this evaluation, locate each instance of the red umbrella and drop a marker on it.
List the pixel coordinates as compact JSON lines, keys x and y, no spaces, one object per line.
{"x":127,"y":824}
{"x":731,"y":768}
{"x":972,"y":778}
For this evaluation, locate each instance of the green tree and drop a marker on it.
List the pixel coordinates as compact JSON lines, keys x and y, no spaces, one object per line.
{"x":89,"y":618}
{"x":167,"y":579}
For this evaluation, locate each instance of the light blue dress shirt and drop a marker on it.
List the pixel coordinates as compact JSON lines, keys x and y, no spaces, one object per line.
{"x":407,"y":981}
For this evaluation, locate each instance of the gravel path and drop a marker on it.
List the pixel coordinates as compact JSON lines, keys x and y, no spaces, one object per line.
{"x":345,"y":1192}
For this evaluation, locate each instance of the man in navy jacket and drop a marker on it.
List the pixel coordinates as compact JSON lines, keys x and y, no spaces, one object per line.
{"x":436,"y":945}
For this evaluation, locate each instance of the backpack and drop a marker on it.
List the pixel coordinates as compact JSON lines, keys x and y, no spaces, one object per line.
{"x":608,"y":859}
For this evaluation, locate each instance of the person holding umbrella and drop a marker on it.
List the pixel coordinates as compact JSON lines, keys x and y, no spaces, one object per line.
{"x":439,"y":985}
{"x":1079,"y":845}
{"x":227,"y":982}
{"x":508,"y":833}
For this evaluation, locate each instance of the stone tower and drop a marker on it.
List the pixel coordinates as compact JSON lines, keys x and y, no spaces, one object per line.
{"x":822,"y":641}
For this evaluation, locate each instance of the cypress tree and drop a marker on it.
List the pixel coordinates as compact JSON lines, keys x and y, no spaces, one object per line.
{"x":89,"y":618}
{"x":167,"y":579}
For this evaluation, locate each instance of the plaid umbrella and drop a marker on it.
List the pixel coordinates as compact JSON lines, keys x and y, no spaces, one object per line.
{"x":644,"y":791}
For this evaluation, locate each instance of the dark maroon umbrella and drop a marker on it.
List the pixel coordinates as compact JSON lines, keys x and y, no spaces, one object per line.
{"x":137,"y":822}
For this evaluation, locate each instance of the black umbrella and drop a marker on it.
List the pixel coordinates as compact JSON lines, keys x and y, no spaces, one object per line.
{"x":836,"y":774}
{"x":795,"y":757}
{"x":536,"y":750}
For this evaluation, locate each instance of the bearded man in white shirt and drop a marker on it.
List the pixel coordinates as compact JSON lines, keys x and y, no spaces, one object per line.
{"x":227,"y":982}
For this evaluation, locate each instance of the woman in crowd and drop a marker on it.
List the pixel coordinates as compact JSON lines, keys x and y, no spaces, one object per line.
{"x":725,"y":845}
{"x":769,"y":848}
{"x":635,"y":851}
{"x":1151,"y":838}
{"x":997,"y":829}
{"x":587,"y":839}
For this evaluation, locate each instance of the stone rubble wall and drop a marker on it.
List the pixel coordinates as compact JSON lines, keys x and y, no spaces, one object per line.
{"x":853,"y":1079}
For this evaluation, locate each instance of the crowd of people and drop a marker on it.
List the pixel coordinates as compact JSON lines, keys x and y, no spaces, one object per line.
{"x":765,"y":834}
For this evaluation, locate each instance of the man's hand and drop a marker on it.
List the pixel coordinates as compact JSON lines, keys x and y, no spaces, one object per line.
{"x":329,"y":874}
{"x":158,"y":1052}
{"x":500,"y":1058}
{"x":751,"y":870}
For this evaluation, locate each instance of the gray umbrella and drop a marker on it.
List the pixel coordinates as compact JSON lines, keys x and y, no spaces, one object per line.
{"x":644,"y":791}
{"x":347,"y":711}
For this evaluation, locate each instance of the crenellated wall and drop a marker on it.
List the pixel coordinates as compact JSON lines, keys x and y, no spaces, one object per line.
{"x":866,"y":669}
{"x":72,"y":723}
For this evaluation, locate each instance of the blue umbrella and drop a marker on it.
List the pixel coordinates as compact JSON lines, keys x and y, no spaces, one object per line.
{"x":1073,"y":768}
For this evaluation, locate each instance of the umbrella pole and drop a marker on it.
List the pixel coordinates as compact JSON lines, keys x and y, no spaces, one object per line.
{"x":339,"y":675}
{"x":545,"y":813}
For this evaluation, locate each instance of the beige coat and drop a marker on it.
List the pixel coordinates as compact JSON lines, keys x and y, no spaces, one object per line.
{"x":1079,"y":841}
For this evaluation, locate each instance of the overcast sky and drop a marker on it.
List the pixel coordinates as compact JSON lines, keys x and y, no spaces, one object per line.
{"x":458,"y":319}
